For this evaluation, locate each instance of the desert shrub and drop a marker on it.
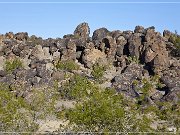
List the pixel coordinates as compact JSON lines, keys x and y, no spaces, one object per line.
{"x":14,"y":113}
{"x":42,"y":102}
{"x":147,"y":86}
{"x":132,"y":59}
{"x":106,"y":111}
{"x":77,"y":88}
{"x":33,"y":40}
{"x":67,"y":65}
{"x":175,"y":39}
{"x":98,"y":71}
{"x":11,"y":65}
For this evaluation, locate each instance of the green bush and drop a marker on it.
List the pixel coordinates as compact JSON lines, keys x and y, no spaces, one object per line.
{"x":175,"y":39}
{"x":132,"y":59}
{"x":14,"y":114}
{"x":67,"y":65}
{"x":42,"y":102}
{"x":98,"y":71}
{"x":11,"y":65}
{"x":77,"y":88}
{"x":106,"y":111}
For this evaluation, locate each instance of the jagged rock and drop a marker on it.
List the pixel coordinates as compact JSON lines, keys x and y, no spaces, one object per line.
{"x":8,"y":79}
{"x":21,"y":36}
{"x":21,"y":75}
{"x":98,"y":35}
{"x":117,"y":33}
{"x":127,"y":34}
{"x":149,"y":55}
{"x":58,"y":75}
{"x":157,"y":95}
{"x":171,"y":78}
{"x":120,"y":41}
{"x":53,"y":48}
{"x":42,"y":72}
{"x":49,"y":67}
{"x":2,"y":73}
{"x":37,"y":53}
{"x":90,"y":57}
{"x":124,"y":82}
{"x":56,"y":56}
{"x":160,"y":62}
{"x":121,"y":62}
{"x":134,"y":44}
{"x":173,"y":96}
{"x":167,"y":34}
{"x":40,"y":53}
{"x":16,"y":50}
{"x":9,"y":35}
{"x":26,"y":51}
{"x":78,"y":54}
{"x":70,"y":52}
{"x":109,"y":46}
{"x":139,"y":29}
{"x":82,"y":31}
{"x":155,"y":51}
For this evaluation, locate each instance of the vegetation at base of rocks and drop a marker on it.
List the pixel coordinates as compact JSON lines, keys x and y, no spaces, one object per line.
{"x":98,"y":71}
{"x":77,"y":87}
{"x":107,"y":111}
{"x":14,"y":113}
{"x":146,"y":87}
{"x":165,"y":115}
{"x":33,"y":40}
{"x":132,"y":59}
{"x":175,"y":39}
{"x":11,"y":65}
{"x":67,"y":65}
{"x":42,"y":102}
{"x":20,"y":114}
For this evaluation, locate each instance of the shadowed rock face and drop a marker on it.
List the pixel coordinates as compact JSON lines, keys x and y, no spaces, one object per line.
{"x":134,"y":54}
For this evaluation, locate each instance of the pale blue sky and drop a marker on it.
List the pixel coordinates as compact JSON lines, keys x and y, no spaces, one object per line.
{"x":57,"y":19}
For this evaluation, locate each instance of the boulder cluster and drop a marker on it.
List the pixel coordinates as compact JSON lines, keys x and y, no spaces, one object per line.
{"x":134,"y":55}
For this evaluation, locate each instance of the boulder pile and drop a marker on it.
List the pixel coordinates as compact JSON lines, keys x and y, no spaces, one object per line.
{"x":135,"y":56}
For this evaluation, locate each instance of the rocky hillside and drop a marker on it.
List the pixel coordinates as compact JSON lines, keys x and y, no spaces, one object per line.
{"x":142,"y":65}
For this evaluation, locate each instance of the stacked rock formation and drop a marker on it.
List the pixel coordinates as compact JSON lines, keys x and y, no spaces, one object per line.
{"x":153,"y":51}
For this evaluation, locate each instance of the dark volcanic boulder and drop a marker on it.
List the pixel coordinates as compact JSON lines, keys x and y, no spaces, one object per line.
{"x":82,"y":31}
{"x":121,"y":42}
{"x":109,"y":46}
{"x":167,"y":34}
{"x":98,"y":35}
{"x":155,"y":51}
{"x":21,"y":36}
{"x":124,"y":82}
{"x":69,"y":53}
{"x":134,"y":44}
{"x":139,"y":29}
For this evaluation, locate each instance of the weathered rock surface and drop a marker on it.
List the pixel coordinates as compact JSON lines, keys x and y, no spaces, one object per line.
{"x":135,"y":55}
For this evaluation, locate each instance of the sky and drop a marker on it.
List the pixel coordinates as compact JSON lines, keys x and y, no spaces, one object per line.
{"x":46,"y":19}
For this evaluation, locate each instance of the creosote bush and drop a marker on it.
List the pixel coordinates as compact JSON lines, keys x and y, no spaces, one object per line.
{"x":175,"y":39}
{"x":11,"y":65}
{"x":98,"y":71}
{"x":77,"y":88}
{"x":132,"y":59}
{"x":107,"y":111}
{"x":67,"y":65}
{"x":14,"y":113}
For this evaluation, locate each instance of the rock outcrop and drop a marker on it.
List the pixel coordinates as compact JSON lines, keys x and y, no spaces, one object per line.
{"x":135,"y":55}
